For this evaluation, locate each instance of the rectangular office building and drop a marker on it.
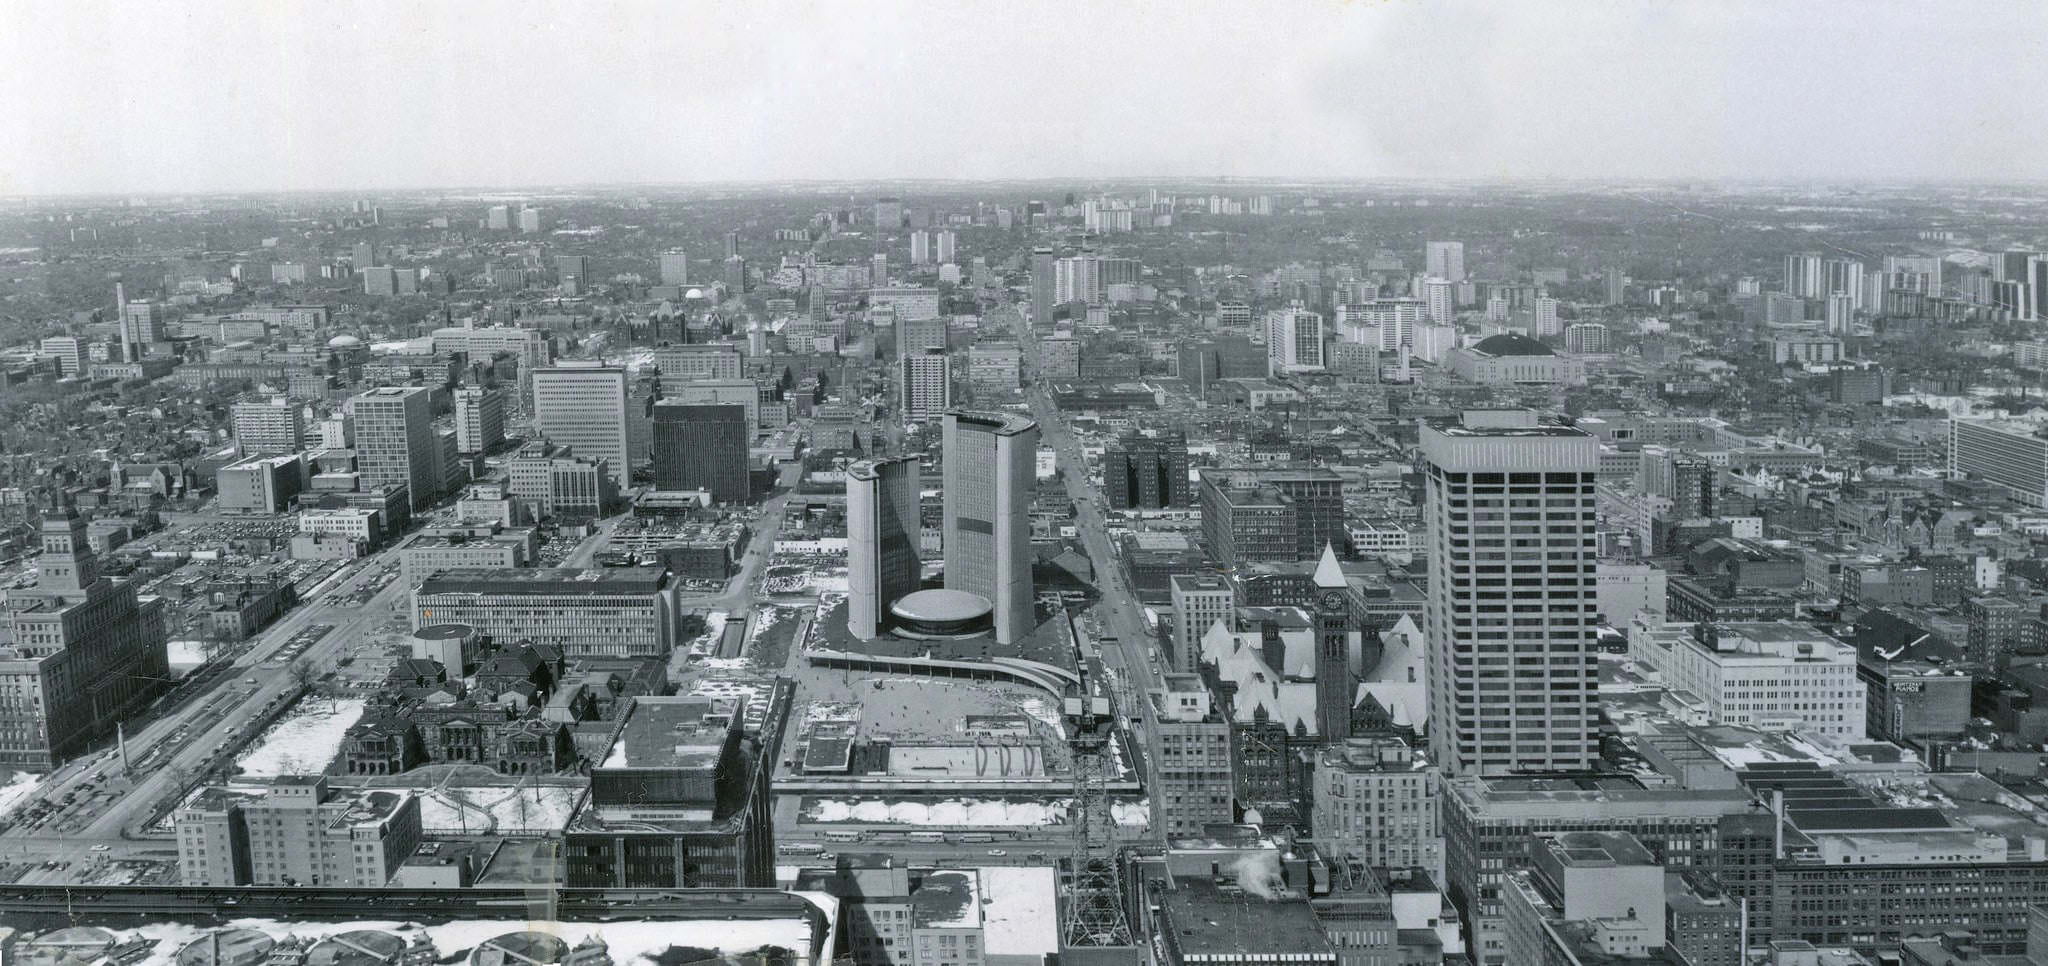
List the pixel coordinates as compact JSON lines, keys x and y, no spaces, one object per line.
{"x":583,"y":406}
{"x":602,"y":612}
{"x":703,"y":448}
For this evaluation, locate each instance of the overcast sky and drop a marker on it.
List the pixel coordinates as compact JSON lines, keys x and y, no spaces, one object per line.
{"x":182,"y":95}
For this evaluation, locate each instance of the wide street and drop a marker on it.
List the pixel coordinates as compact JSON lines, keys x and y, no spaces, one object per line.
{"x":173,"y":748}
{"x":185,"y":742}
{"x":738,"y":594}
{"x":1118,"y":613}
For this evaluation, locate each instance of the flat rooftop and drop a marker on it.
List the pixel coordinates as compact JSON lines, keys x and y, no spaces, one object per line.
{"x":1003,"y":424}
{"x":1596,"y":849}
{"x":554,"y":581}
{"x":947,"y":900}
{"x":1212,"y":920}
{"x":1493,"y":797}
{"x":1187,"y":582}
{"x":670,"y":732}
{"x":1454,"y":428}
{"x":1271,"y":474}
{"x":369,"y":808}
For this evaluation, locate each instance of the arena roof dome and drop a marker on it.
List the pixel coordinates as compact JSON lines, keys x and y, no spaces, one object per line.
{"x":1512,"y":344}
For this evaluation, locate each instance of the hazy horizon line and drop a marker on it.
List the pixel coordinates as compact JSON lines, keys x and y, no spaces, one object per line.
{"x":1077,"y":180}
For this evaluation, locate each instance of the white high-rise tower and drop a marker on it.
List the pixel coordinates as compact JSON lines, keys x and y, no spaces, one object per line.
{"x":1510,"y":615}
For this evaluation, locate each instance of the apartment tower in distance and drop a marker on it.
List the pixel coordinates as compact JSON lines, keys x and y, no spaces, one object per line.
{"x":1445,"y":260}
{"x":1044,"y":269}
{"x":582,"y":405}
{"x":1509,"y":619}
{"x":991,"y":468}
{"x":675,"y":267}
{"x":882,"y":564}
{"x":927,"y":386}
{"x":272,"y":427}
{"x":395,"y":441}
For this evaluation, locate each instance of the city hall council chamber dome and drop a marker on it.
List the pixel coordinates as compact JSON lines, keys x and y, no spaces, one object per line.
{"x":937,"y":614}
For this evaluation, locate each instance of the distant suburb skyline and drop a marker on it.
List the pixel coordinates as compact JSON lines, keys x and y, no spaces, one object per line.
{"x":269,"y":95}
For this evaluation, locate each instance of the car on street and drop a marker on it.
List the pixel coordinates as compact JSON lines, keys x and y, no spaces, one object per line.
{"x":998,"y":852}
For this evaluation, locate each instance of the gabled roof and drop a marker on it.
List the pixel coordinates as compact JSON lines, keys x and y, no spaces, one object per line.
{"x":1239,"y":659}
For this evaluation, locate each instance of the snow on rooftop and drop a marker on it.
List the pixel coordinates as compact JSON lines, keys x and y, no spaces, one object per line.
{"x":951,"y":812}
{"x":304,"y":742}
{"x":630,"y":943}
{"x":1019,"y":918}
{"x":1043,"y":710}
{"x":1138,"y":813}
{"x":637,"y":360}
{"x":1746,"y":755}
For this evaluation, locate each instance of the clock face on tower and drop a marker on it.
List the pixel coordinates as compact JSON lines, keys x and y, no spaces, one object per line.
{"x":1332,"y":600}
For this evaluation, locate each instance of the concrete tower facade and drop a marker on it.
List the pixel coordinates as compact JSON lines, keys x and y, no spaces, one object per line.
{"x":1512,"y":593}
{"x":991,"y":469}
{"x":882,"y":563}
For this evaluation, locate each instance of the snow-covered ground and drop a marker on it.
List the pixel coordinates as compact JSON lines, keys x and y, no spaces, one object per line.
{"x":500,"y":810}
{"x":723,"y":663}
{"x":20,"y":785}
{"x":186,"y":655}
{"x":707,"y":642}
{"x":304,"y":742}
{"x":831,"y":581}
{"x":765,"y":618}
{"x":962,"y":812}
{"x":631,"y":943}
